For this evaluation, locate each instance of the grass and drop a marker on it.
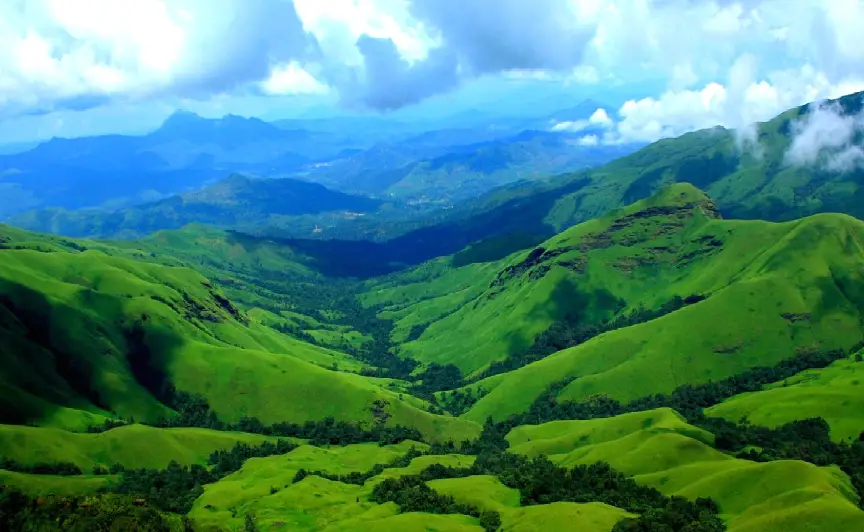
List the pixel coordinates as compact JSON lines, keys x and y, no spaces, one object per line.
{"x":488,"y":493}
{"x":133,"y":446}
{"x":835,"y":394}
{"x":55,"y":484}
{"x":264,"y":486}
{"x":659,"y":449}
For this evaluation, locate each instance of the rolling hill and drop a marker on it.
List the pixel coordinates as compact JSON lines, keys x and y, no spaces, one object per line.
{"x":617,"y":350}
{"x":89,"y":336}
{"x":745,"y":184}
{"x":635,"y":259}
{"x":236,"y":201}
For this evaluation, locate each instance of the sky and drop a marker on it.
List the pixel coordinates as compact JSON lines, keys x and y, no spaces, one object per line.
{"x":662,"y":67}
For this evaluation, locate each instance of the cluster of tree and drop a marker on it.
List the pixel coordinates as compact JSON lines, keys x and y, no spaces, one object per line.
{"x":107,"y":425}
{"x":808,"y":440}
{"x":437,"y":377}
{"x":677,"y":514}
{"x":80,"y":514}
{"x":176,"y":487}
{"x":573,"y":331}
{"x":194,"y":411}
{"x":413,"y":495}
{"x":40,"y":468}
{"x":457,"y":402}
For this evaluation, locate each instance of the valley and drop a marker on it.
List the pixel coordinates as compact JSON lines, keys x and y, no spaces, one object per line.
{"x":669,"y":341}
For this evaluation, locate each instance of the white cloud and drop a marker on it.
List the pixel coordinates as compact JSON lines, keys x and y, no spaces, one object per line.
{"x":598,"y":119}
{"x":292,"y":79}
{"x":827,"y":136}
{"x":740,"y":102}
{"x":589,"y":140}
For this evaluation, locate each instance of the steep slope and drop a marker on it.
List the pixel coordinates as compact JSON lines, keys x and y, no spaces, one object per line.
{"x":87,"y":336}
{"x":236,"y":201}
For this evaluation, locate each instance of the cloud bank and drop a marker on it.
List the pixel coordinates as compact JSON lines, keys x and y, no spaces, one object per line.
{"x":388,"y":54}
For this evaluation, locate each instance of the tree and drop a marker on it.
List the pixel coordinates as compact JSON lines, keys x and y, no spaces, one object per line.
{"x":490,"y":521}
{"x":250,"y":523}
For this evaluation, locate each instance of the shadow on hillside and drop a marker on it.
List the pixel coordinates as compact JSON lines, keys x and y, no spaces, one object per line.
{"x":55,"y":355}
{"x":517,"y":219}
{"x":569,"y":309}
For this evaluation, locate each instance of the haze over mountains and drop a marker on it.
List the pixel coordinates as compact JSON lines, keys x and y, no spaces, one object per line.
{"x":353,"y":266}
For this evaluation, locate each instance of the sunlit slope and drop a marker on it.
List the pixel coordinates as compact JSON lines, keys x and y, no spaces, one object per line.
{"x":488,"y":493}
{"x":659,"y":449}
{"x":835,"y":393}
{"x":774,"y":290}
{"x":432,"y":291}
{"x":87,"y":335}
{"x":132,"y":446}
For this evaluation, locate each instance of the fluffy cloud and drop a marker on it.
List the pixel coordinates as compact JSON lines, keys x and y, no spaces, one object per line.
{"x":56,"y":51}
{"x":291,"y":79}
{"x":386,"y":54}
{"x":598,"y":119}
{"x":740,"y":101}
{"x":828,"y":136}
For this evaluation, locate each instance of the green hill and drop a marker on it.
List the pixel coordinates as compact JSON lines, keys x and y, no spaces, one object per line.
{"x":796,"y":281}
{"x":833,"y":393}
{"x":88,"y":335}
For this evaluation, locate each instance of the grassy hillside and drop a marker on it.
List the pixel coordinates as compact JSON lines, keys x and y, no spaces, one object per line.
{"x":313,"y":503}
{"x":90,"y":335}
{"x":132,"y":446}
{"x":659,"y":449}
{"x":833,"y":393}
{"x":780,"y":289}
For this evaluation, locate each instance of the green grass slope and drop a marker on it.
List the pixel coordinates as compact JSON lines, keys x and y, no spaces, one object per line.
{"x":264,"y":487}
{"x":133,"y":446}
{"x":659,"y":449}
{"x":88,"y":335}
{"x":488,"y":493}
{"x":54,"y":484}
{"x":775,"y":290}
{"x":835,"y":394}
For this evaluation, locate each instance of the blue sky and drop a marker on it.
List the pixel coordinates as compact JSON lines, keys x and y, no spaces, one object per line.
{"x":662,"y":67}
